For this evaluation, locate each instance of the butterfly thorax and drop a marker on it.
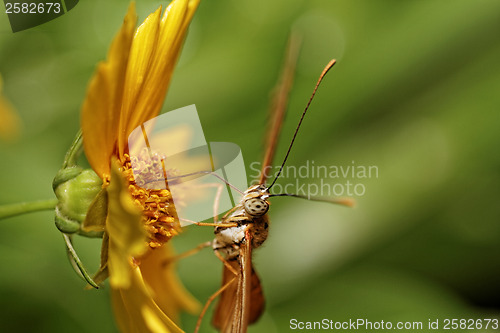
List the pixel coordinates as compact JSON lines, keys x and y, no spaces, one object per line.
{"x":250,"y":214}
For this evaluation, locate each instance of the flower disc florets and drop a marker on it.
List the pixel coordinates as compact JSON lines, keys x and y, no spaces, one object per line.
{"x":159,"y":214}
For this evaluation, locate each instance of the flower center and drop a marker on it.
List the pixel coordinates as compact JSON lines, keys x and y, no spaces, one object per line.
{"x":144,"y":174}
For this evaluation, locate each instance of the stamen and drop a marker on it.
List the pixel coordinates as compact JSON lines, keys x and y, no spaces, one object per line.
{"x":159,"y":214}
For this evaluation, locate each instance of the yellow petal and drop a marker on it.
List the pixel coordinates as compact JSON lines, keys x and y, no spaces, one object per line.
{"x":127,"y":237}
{"x":166,"y":288}
{"x":136,"y":311}
{"x":10,"y":123}
{"x":139,"y":65}
{"x":101,"y":108}
{"x":153,"y":68}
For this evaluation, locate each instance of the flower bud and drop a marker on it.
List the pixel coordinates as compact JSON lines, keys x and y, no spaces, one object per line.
{"x":75,"y":189}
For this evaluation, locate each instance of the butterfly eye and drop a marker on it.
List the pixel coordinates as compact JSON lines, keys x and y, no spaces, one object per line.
{"x":256,"y":206}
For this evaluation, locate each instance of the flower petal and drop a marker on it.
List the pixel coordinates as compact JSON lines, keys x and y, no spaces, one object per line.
{"x":102,"y":105}
{"x":141,"y":56}
{"x":127,"y":237}
{"x":154,"y":79}
{"x":166,"y":288}
{"x":136,"y":311}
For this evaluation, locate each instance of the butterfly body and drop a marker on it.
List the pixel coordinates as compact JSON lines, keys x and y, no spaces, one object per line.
{"x":242,"y":302}
{"x":250,"y":215}
{"x":245,"y":227}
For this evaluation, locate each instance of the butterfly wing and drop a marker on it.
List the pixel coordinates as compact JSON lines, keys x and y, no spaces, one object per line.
{"x":242,"y":302}
{"x":257,"y":302}
{"x":252,"y":296}
{"x":225,"y":309}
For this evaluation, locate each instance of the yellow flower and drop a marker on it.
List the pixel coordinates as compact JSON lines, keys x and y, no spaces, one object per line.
{"x":10,"y":124}
{"x":127,"y":90}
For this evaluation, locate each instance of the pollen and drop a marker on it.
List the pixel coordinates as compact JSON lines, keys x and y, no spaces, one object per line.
{"x":149,"y":189}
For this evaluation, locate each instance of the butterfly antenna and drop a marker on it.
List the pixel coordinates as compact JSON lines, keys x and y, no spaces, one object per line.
{"x":327,"y":68}
{"x":348,"y":202}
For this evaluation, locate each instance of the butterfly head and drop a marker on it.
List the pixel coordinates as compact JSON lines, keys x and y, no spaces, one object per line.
{"x":255,"y":200}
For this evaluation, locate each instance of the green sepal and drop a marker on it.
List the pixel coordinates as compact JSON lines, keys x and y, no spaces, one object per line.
{"x":64,"y":175}
{"x":78,"y":191}
{"x":103,"y":272}
{"x":95,"y":221}
{"x":65,"y":224}
{"x":77,"y":263}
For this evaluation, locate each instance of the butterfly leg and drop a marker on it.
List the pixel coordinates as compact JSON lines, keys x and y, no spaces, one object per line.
{"x":225,"y":262}
{"x":223,"y":225}
{"x":226,"y":224}
{"x":186,"y":254}
{"x":218,"y":292}
{"x":225,"y":218}
{"x":210,"y":300}
{"x":216,"y":222}
{"x":229,"y":222}
{"x":218,"y":195}
{"x":220,"y":187}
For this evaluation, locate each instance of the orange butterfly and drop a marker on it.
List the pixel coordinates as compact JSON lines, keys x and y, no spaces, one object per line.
{"x":245,"y":227}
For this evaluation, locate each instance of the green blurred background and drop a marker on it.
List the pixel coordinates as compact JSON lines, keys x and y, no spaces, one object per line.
{"x":416,"y":92}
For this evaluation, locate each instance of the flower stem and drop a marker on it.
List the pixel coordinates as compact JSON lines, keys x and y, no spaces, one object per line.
{"x":26,"y":207}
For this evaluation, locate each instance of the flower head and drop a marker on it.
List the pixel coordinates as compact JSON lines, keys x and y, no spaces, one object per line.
{"x":127,"y":90}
